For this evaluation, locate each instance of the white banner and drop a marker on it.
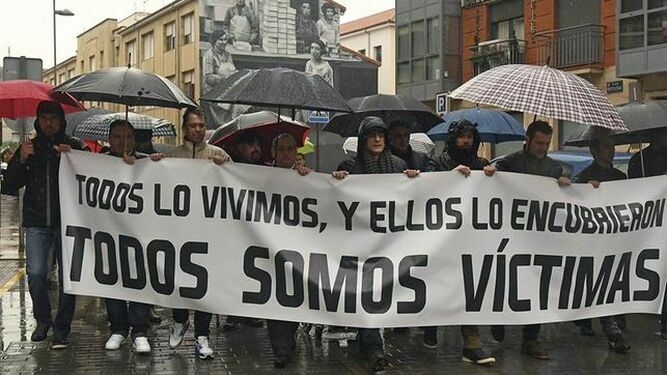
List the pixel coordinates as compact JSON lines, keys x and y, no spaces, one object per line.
{"x":367,"y":251}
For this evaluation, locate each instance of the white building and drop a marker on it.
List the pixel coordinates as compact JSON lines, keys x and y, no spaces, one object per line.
{"x":374,"y":37}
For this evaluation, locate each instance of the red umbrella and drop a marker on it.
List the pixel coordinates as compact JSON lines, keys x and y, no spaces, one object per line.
{"x":266,"y":125}
{"x":19,"y":98}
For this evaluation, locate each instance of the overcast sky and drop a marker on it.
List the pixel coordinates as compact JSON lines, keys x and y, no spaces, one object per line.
{"x":26,"y":26}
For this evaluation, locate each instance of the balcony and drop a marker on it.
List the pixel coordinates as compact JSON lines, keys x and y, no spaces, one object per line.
{"x":493,"y":53}
{"x":572,"y":46}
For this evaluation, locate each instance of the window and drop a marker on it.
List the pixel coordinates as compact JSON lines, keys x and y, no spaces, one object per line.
{"x":188,"y":28}
{"x":508,"y":29}
{"x":70,"y":73}
{"x":433,"y":68}
{"x":418,"y":47}
{"x":189,"y":83}
{"x":169,"y":36}
{"x":404,"y":42}
{"x":62,"y":78}
{"x":131,"y":52}
{"x":101,"y":59}
{"x":631,"y":5}
{"x":631,"y":32}
{"x":147,"y":46}
{"x":362,"y":51}
{"x":83,"y":68}
{"x":652,"y":4}
{"x":433,"y":35}
{"x":403,"y":72}
{"x":657,"y":28}
{"x":92,"y":64}
{"x":417,"y":71}
{"x":377,"y":53}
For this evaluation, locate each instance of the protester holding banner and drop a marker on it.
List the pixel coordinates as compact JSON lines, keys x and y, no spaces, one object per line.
{"x":124,"y":315}
{"x":248,"y":149}
{"x":651,"y":161}
{"x":399,"y":144}
{"x":281,"y":333}
{"x":373,"y":157}
{"x":195,"y":147}
{"x":463,"y":142}
{"x":532,"y":160}
{"x":36,"y":167}
{"x":602,"y":169}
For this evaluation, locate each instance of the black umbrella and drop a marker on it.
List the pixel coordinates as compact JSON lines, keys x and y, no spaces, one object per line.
{"x":279,"y":88}
{"x":390,"y":108}
{"x":125,"y":85}
{"x":641,"y":118}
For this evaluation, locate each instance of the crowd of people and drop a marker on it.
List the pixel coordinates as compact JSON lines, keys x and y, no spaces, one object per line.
{"x":382,"y":148}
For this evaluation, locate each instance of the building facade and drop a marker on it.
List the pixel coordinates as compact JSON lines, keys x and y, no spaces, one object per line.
{"x":642,"y":45}
{"x":576,"y":35}
{"x":374,"y":37}
{"x":428,"y":47}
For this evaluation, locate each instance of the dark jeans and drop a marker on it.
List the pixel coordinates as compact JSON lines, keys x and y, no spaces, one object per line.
{"x":123,"y":315}
{"x":470,"y":334}
{"x":281,"y":335}
{"x":202,"y":320}
{"x":40,"y":242}
{"x":664,"y":314}
{"x":530,"y":332}
{"x":370,"y":343}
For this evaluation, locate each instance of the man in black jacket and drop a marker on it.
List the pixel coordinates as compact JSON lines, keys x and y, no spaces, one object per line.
{"x":463,"y":142}
{"x":372,"y":158}
{"x":653,"y":158}
{"x":602,"y":169}
{"x":399,"y":145}
{"x":532,"y":160}
{"x":35,"y":166}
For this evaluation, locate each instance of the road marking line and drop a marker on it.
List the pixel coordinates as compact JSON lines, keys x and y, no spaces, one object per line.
{"x":12,"y":281}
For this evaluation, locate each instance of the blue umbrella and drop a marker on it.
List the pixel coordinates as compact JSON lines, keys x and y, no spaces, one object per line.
{"x":494,"y":126}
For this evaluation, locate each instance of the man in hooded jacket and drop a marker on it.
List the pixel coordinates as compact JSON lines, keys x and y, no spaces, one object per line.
{"x":399,"y":145}
{"x":373,"y":158}
{"x":463,"y":142}
{"x":36,"y":166}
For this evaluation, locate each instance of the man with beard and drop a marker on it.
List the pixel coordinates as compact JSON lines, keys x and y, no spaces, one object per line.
{"x":602,"y":169}
{"x":35,"y":165}
{"x":248,"y":149}
{"x":373,"y":157}
{"x":463,"y":142}
{"x":281,"y":333}
{"x":399,"y":144}
{"x":532,"y":160}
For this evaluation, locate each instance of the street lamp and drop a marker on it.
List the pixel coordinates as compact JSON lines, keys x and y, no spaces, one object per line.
{"x":59,"y":12}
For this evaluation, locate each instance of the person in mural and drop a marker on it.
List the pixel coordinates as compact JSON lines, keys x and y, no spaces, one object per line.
{"x":328,"y":28}
{"x":317,"y":66}
{"x":306,"y":29}
{"x":241,"y":23}
{"x":217,"y":65}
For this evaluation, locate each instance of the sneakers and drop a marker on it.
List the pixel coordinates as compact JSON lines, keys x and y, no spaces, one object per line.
{"x":477,"y":356}
{"x":177,"y":332}
{"x":498,"y":333}
{"x":202,"y":349}
{"x":430,"y":338}
{"x":378,"y":365}
{"x":618,"y":345}
{"x":40,"y":332}
{"x":114,"y":342}
{"x":533,"y":349}
{"x":141,"y":345}
{"x":59,"y":342}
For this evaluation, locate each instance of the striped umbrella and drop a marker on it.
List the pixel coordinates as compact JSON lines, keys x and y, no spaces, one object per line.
{"x":543,"y":91}
{"x":97,"y":127}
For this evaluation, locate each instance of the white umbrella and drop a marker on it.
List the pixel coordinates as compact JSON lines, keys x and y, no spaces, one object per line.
{"x":418,"y":141}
